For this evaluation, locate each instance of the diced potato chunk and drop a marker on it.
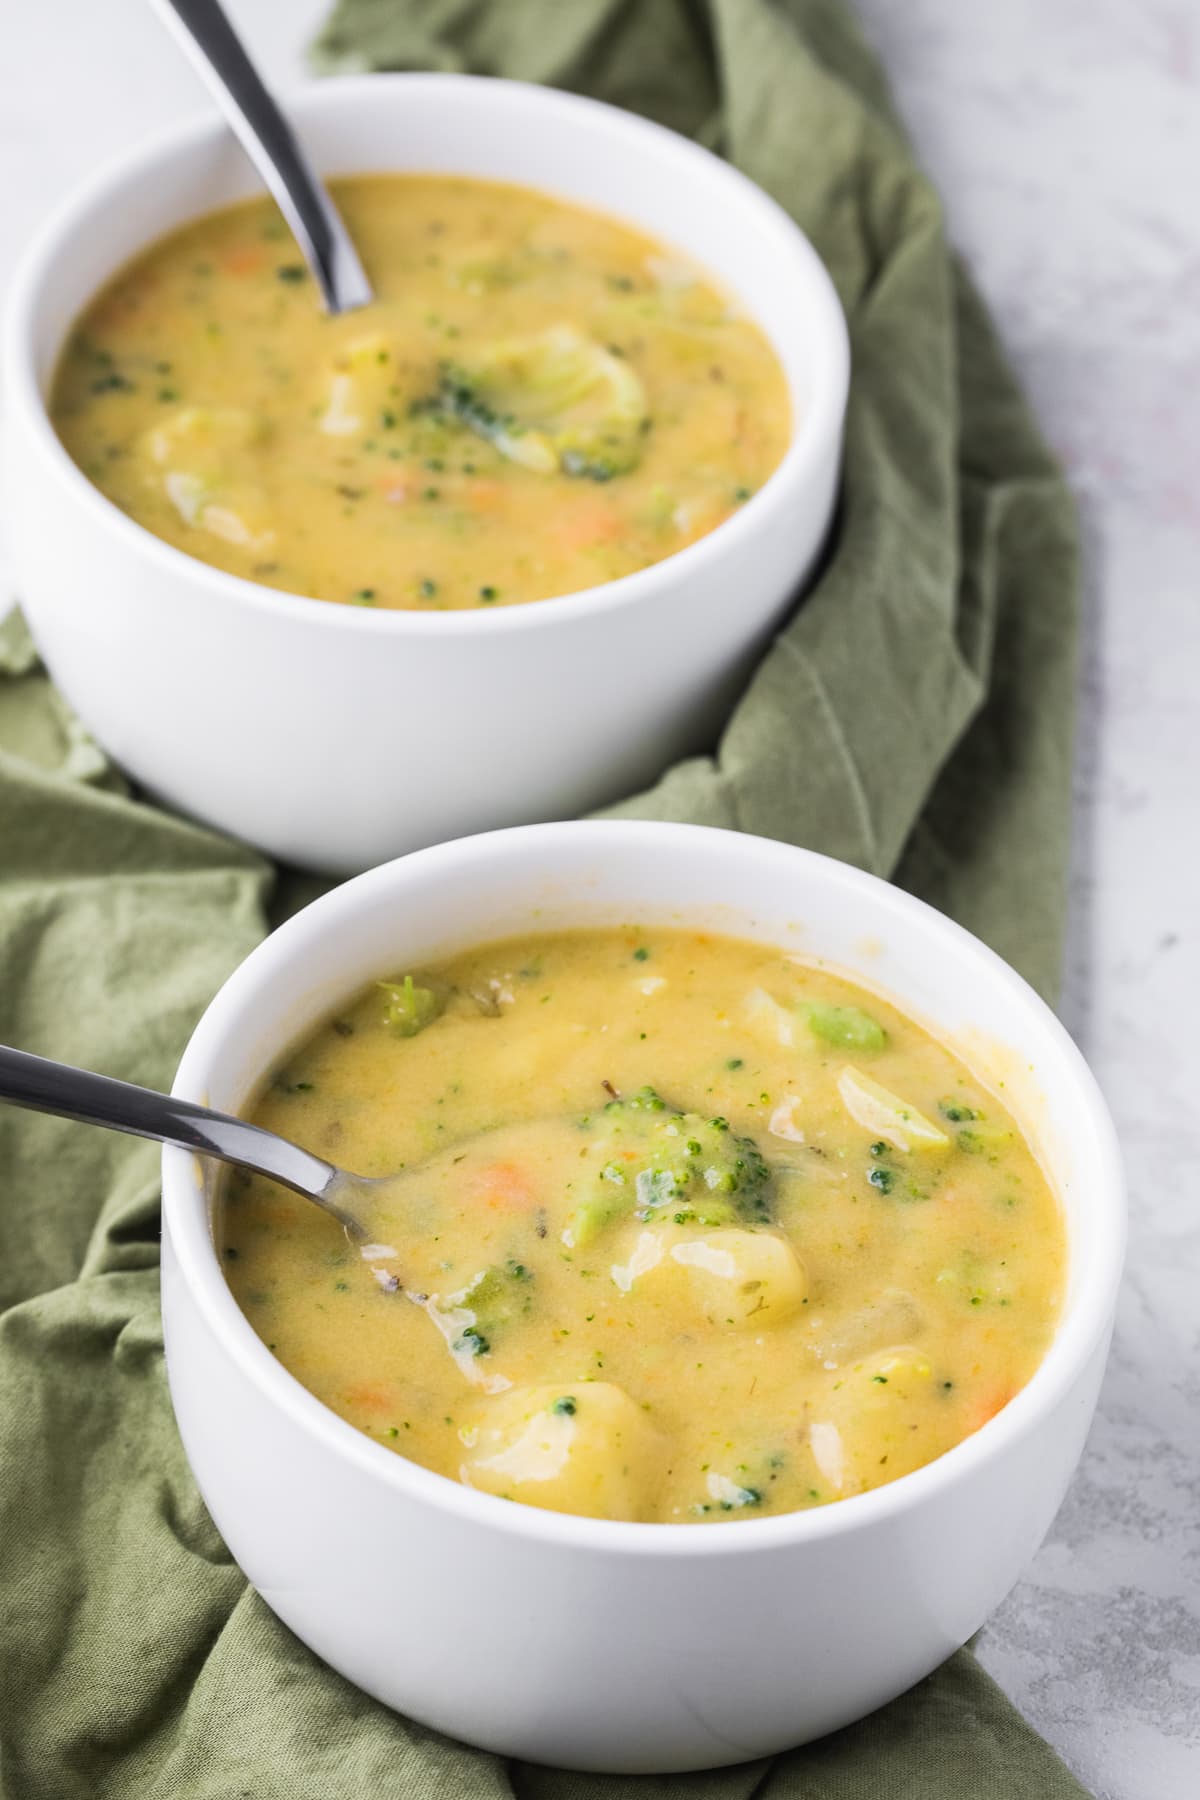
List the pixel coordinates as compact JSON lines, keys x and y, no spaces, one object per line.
{"x":748,"y":1279}
{"x":886,"y":1115}
{"x":903,"y":1369}
{"x":825,"y":1441}
{"x":646,"y":1254}
{"x":203,"y":437}
{"x":884,"y":1319}
{"x":868,"y":1414}
{"x":774,"y":1023}
{"x":785,"y":1120}
{"x":581,"y":1447}
{"x":205,"y":458}
{"x":359,"y":387}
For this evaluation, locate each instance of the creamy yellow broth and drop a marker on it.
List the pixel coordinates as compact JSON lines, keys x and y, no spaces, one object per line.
{"x":540,"y":399}
{"x":684,"y":1230}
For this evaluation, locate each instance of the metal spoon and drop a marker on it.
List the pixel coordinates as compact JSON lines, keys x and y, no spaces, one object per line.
{"x":215,"y":50}
{"x":55,"y":1087}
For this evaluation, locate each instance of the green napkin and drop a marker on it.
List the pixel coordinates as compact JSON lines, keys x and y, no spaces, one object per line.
{"x":914,"y":717}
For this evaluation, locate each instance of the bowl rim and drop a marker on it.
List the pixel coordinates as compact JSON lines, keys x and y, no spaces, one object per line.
{"x":809,"y":446}
{"x":1083,"y":1326}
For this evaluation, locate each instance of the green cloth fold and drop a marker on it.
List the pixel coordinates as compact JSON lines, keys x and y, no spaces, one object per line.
{"x":913,"y":717}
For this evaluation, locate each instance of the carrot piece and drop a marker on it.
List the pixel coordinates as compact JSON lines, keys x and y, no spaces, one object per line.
{"x":279,"y":1212}
{"x":485,"y":496}
{"x":369,"y":1396}
{"x":503,"y":1184}
{"x":988,"y":1408}
{"x":243,"y":260}
{"x":586,"y":526}
{"x":120,"y":306}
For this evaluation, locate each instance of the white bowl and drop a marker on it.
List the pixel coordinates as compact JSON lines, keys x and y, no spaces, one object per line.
{"x":335,"y":736}
{"x":586,"y":1642}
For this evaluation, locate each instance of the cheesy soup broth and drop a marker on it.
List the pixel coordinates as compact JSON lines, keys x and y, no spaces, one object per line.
{"x":683,"y":1229}
{"x":540,"y":399}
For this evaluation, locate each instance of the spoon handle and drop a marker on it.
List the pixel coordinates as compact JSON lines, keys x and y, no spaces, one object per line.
{"x":55,"y":1087}
{"x":216,"y":52}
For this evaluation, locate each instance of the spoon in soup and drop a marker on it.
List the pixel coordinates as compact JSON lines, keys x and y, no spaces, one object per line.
{"x":54,"y":1087}
{"x":217,"y":53}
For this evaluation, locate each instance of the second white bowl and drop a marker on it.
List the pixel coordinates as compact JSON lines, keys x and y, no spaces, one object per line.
{"x":335,"y":737}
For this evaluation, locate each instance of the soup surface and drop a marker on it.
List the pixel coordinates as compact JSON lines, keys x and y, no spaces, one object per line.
{"x":540,"y":399}
{"x":684,"y":1229}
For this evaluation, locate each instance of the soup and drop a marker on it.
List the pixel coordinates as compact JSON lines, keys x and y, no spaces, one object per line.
{"x":540,"y":399}
{"x":683,"y":1230}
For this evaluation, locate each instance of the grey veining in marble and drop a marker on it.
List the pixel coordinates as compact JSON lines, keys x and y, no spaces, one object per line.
{"x":1065,"y":138}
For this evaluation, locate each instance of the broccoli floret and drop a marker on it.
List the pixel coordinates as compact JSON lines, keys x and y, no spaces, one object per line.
{"x":957,"y":1111}
{"x":608,"y":1201}
{"x":980,"y":1139}
{"x":661,"y":1162}
{"x":497,"y":1295}
{"x":886,"y":1178}
{"x":727,"y":1495}
{"x":408,"y":1008}
{"x":848,"y":1026}
{"x":458,"y":397}
{"x":472,"y":1339}
{"x":554,"y":403}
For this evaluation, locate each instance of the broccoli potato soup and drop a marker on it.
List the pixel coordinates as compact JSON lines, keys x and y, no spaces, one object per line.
{"x":684,"y":1229}
{"x":540,"y":399}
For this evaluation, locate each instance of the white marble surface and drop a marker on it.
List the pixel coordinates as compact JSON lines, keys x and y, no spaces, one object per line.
{"x":1065,"y":137}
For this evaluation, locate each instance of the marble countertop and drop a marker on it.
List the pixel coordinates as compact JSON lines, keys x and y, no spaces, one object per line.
{"x":1065,"y":138}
